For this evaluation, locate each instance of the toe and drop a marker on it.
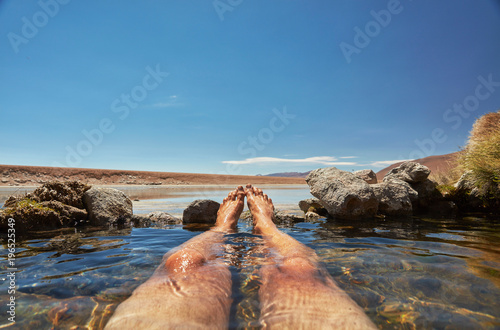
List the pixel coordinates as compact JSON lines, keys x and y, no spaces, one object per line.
{"x":266,"y":197}
{"x":259,"y":192}
{"x":240,"y":194}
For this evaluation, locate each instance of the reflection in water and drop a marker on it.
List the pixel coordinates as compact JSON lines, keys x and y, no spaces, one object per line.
{"x":413,"y":273}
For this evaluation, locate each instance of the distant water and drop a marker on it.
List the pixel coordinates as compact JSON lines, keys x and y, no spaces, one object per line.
{"x":406,"y":274}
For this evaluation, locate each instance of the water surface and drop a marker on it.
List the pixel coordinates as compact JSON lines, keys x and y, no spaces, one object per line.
{"x":405,"y":273}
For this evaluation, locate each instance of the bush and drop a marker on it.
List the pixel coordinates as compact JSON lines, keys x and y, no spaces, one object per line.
{"x":481,"y":156}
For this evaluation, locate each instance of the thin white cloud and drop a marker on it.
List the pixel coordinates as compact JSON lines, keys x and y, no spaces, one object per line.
{"x":323,"y":160}
{"x":385,"y":163}
{"x":348,"y":157}
{"x":167,"y":105}
{"x":172,"y":102}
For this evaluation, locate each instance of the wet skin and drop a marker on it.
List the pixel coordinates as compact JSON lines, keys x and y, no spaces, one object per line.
{"x":296,"y":292}
{"x":192,"y":287}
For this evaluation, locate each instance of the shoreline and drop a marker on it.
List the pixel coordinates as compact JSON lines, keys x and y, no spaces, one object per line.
{"x":33,"y":176}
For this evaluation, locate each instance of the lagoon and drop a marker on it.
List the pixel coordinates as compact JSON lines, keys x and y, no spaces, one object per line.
{"x":405,"y":273}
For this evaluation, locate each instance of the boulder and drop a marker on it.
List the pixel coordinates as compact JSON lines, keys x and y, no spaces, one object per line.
{"x":313,"y":205}
{"x":410,"y":172}
{"x":69,"y":215}
{"x":160,"y":218}
{"x":106,"y":205}
{"x":394,"y":199}
{"x":69,"y":193}
{"x":412,"y":193}
{"x":344,"y":195}
{"x":154,"y":219}
{"x":428,"y":194}
{"x":29,"y":215}
{"x":368,"y":175}
{"x":279,"y":217}
{"x":201,"y":211}
{"x":465,"y":183}
{"x":283,"y":218}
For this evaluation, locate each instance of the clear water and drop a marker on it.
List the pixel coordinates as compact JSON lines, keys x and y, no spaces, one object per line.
{"x":406,"y":274}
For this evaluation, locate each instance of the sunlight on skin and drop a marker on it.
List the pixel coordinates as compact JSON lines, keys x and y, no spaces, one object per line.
{"x":296,"y":292}
{"x":192,"y":286}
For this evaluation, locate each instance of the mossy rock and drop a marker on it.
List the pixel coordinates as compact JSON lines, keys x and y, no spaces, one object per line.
{"x":69,"y":192}
{"x":30,"y":215}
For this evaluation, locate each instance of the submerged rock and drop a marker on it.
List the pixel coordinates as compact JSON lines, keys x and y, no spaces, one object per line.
{"x":312,"y":216}
{"x":201,"y":211}
{"x":106,"y":205}
{"x":312,"y":205}
{"x":163,"y":218}
{"x":343,"y":194}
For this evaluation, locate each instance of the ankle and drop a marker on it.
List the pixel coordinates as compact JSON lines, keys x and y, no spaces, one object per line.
{"x":266,"y":227}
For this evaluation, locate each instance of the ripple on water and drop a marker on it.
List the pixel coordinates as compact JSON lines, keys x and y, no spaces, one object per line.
{"x":423,"y":274}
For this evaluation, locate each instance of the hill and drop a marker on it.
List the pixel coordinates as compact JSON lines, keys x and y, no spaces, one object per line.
{"x":290,"y":174}
{"x":16,"y":175}
{"x":436,"y":164}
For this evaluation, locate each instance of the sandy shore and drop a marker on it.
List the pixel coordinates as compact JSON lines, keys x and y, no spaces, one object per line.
{"x":16,"y":175}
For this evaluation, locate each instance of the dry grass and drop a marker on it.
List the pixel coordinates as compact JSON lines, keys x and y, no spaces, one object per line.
{"x":449,"y":176}
{"x":481,"y":156}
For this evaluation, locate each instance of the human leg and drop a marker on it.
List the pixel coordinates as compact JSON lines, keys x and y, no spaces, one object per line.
{"x":296,"y":292}
{"x":191,"y":287}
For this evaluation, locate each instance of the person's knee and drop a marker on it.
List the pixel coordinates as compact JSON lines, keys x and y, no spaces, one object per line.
{"x":299,"y":265}
{"x":184,"y":260}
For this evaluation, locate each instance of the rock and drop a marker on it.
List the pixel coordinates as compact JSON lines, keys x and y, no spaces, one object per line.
{"x":156,"y":219}
{"x":410,"y":172}
{"x":30,"y":215}
{"x":443,"y":208}
{"x":139,"y":221}
{"x":394,"y":199}
{"x":465,"y":183}
{"x":314,"y":205}
{"x":412,"y":193}
{"x":312,"y":216}
{"x":344,"y":195}
{"x":201,"y":211}
{"x":70,"y":192}
{"x":163,"y":218}
{"x":106,"y":205}
{"x":368,"y":175}
{"x":69,"y":215}
{"x":428,"y":194}
{"x":11,"y":201}
{"x":281,"y":217}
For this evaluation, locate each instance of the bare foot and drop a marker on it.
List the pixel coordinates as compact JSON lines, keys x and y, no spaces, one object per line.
{"x":230,"y":210}
{"x":262,"y":209}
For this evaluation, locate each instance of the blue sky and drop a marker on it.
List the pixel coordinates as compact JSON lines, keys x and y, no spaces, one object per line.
{"x":243,"y":87}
